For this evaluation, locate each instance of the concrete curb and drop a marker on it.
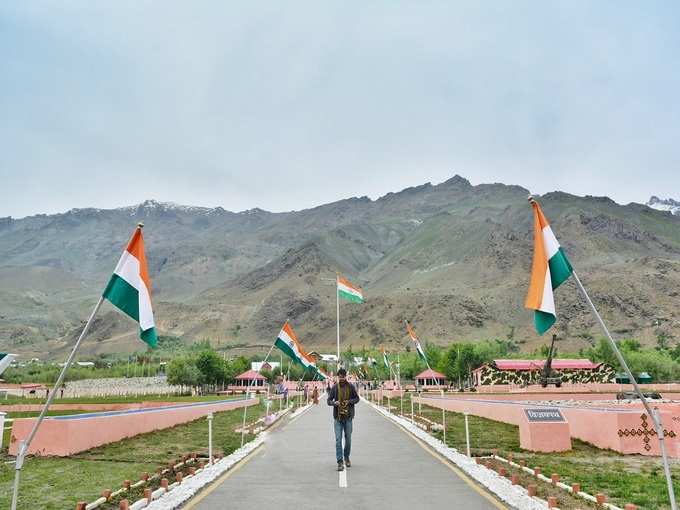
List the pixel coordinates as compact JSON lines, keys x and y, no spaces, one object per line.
{"x":501,"y":487}
{"x":190,"y":486}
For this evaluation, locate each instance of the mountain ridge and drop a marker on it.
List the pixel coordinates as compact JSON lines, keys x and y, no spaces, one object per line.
{"x":454,"y":257}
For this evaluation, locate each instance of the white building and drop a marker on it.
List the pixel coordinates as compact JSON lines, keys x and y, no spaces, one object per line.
{"x":257,"y":366}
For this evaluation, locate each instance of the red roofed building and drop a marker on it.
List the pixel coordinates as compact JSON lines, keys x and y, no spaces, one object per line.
{"x":431,"y":380}
{"x":526,"y":372}
{"x":249,"y":381}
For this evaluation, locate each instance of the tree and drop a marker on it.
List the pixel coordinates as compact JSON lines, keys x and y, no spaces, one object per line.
{"x":657,"y":363}
{"x":295,"y":372}
{"x":183,"y":372}
{"x":267,"y":374}
{"x":467,"y":361}
{"x":433,"y":353}
{"x":603,"y":352}
{"x":629,"y":345}
{"x":447,"y":364}
{"x":675,"y":353}
{"x":211,"y":366}
{"x":662,"y":341}
{"x":506,"y":347}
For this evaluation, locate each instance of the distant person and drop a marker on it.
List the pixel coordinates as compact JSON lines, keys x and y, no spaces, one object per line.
{"x":343,"y":397}
{"x":315,"y":395}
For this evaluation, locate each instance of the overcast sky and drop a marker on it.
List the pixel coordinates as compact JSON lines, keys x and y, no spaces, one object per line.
{"x":287,"y":105}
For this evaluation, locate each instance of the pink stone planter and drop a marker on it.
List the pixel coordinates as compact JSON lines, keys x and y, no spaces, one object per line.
{"x":65,"y":435}
{"x":624,"y":428}
{"x":533,"y":436}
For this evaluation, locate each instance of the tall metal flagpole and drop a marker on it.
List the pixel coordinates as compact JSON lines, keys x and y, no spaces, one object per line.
{"x":398,"y":371}
{"x":245,"y":408}
{"x":337,"y":310}
{"x":656,"y":418}
{"x":23,"y":448}
{"x":337,"y":300}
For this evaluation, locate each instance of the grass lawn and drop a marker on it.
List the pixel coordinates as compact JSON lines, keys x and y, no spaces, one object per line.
{"x":58,"y":483}
{"x":623,"y":478}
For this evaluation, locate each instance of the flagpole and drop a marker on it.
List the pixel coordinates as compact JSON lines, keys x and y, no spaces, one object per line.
{"x":337,"y":301}
{"x":398,"y":375}
{"x":24,"y":446}
{"x":656,"y":418}
{"x":245,"y":408}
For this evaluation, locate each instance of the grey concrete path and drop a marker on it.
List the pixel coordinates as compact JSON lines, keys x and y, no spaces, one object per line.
{"x":296,"y":469}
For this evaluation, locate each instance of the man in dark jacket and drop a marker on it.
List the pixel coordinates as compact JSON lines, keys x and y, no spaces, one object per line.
{"x":343,"y":396}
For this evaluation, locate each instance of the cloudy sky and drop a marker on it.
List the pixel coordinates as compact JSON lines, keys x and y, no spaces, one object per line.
{"x":286,"y":105}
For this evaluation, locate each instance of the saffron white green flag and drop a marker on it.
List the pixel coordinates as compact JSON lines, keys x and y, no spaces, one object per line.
{"x":415,"y":340}
{"x":5,"y":361}
{"x":385,"y":360}
{"x":288,"y":343}
{"x":129,"y":288}
{"x":550,"y":268}
{"x":348,"y":291}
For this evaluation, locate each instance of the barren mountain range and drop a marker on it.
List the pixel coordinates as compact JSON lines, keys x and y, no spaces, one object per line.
{"x":452,"y":257}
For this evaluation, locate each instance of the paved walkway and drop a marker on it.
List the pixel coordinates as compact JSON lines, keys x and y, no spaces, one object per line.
{"x":296,"y":469}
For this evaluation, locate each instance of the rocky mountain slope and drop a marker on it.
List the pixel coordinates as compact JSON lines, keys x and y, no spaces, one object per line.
{"x":453,"y":258}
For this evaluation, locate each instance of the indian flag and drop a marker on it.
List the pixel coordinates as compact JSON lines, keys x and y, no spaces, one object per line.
{"x":385,"y":361}
{"x":349,"y":292}
{"x":415,"y":340}
{"x":550,"y":268}
{"x":6,"y":360}
{"x":287,"y":342}
{"x":129,"y":289}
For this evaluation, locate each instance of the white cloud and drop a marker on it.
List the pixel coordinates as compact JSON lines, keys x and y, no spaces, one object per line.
{"x":286,"y":106}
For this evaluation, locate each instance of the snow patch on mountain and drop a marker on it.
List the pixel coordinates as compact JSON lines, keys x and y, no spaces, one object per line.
{"x":667,"y":204}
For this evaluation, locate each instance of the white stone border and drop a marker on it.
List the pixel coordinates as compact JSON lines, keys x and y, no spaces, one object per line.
{"x":512,"y":494}
{"x":191,"y":485}
{"x":300,"y":411}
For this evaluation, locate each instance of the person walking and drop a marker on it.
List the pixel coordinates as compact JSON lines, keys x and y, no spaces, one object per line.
{"x":343,"y":397}
{"x":315,"y":395}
